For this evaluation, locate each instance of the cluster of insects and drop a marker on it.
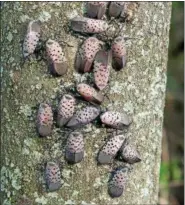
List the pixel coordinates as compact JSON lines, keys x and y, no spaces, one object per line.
{"x":97,"y":56}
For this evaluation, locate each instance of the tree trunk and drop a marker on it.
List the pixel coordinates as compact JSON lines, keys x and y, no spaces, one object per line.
{"x":139,"y":90}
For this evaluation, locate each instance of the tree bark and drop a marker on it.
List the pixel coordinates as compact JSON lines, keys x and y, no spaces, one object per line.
{"x":139,"y":90}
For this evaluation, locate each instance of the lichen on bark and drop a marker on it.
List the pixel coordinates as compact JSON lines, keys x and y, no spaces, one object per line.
{"x":139,"y":90}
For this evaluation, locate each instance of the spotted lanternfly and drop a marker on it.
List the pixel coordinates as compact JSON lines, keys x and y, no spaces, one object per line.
{"x":58,"y":63}
{"x":44,"y":120}
{"x":116,"y":8}
{"x":53,"y":178}
{"x":75,"y":148}
{"x":118,"y":181}
{"x":110,"y":149}
{"x":129,"y":153}
{"x":65,"y":110}
{"x":83,"y":117}
{"x":31,"y":39}
{"x":118,"y":53}
{"x":89,"y":93}
{"x":123,"y":10}
{"x":102,"y":66}
{"x":96,"y":9}
{"x":86,"y":54}
{"x":115,"y":119}
{"x":88,"y":25}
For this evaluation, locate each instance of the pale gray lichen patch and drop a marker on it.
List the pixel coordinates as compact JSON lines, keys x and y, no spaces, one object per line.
{"x":31,"y":148}
{"x":75,"y":194}
{"x":9,"y":37}
{"x":87,"y":203}
{"x":26,"y":110}
{"x":10,"y":181}
{"x":72,"y":14}
{"x":67,"y":173}
{"x":70,"y":202}
{"x":116,"y":88}
{"x":145,"y":193}
{"x":48,"y":198}
{"x":101,"y":181}
{"x":24,"y":18}
{"x":42,"y":200}
{"x":44,"y":16}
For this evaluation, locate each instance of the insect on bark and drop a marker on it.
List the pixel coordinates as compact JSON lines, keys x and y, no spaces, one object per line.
{"x":44,"y":120}
{"x":110,"y":149}
{"x":65,"y":109}
{"x":53,"y":178}
{"x":83,"y":117}
{"x":102,"y":66}
{"x":118,"y":181}
{"x":31,"y":39}
{"x":116,"y":9}
{"x":90,"y":94}
{"x":88,"y":25}
{"x":119,"y":53}
{"x":96,"y":9}
{"x":115,"y":120}
{"x":75,"y":147}
{"x":129,"y":153}
{"x":85,"y":55}
{"x":58,"y":62}
{"x":123,"y":10}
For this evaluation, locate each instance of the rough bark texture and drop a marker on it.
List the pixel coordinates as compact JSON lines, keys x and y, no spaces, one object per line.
{"x":139,"y":90}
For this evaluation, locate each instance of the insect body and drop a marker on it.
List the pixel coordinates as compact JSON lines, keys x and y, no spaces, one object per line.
{"x":129,"y":153}
{"x":115,"y":119}
{"x":116,"y":9}
{"x":86,"y":54}
{"x":123,"y":10}
{"x":44,"y":120}
{"x":83,"y":117}
{"x":58,"y":60}
{"x":110,"y":149}
{"x":118,"y":181}
{"x":89,"y":93}
{"x":65,"y":110}
{"x":88,"y":25}
{"x":31,"y":39}
{"x":96,"y":9}
{"x":102,"y":66}
{"x":75,"y":147}
{"x":53,"y":179}
{"x":118,"y":53}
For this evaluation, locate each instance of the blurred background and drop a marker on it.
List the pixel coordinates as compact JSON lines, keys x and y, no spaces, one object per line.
{"x":172,"y":165}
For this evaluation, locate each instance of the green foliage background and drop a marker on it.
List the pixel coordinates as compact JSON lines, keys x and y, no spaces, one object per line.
{"x":172,"y":157}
